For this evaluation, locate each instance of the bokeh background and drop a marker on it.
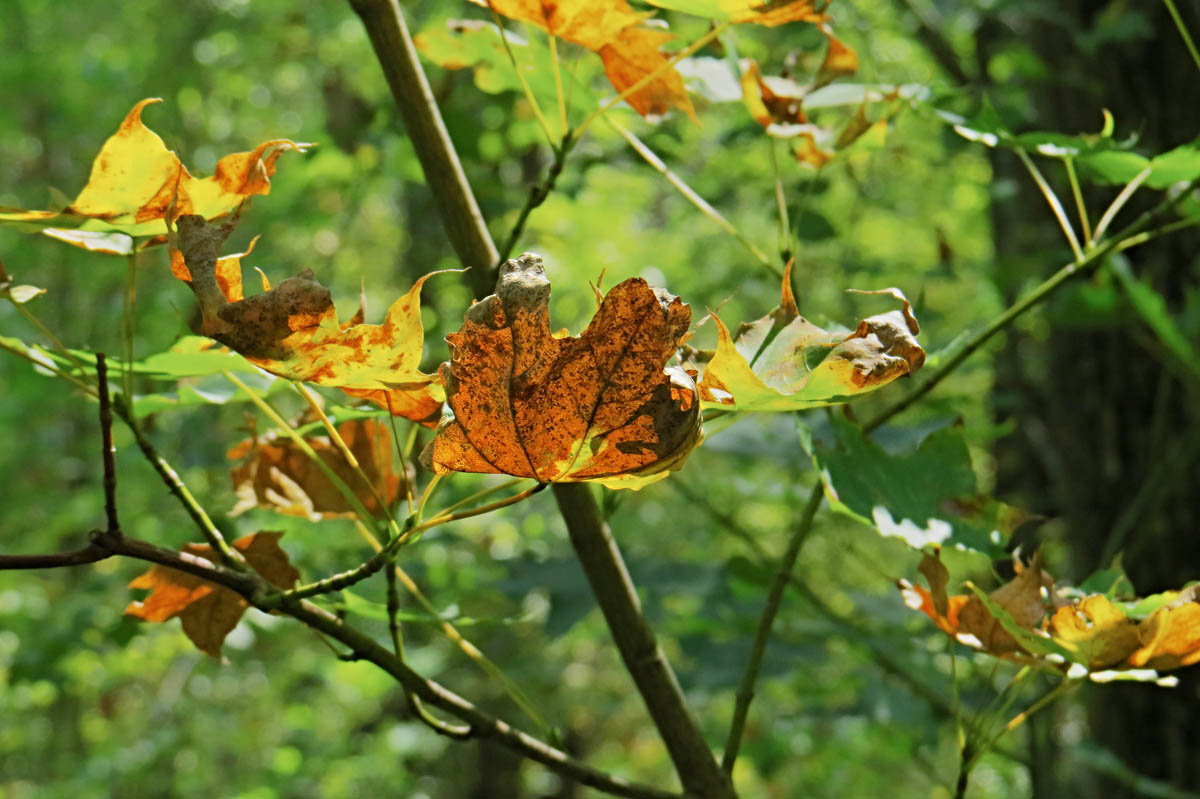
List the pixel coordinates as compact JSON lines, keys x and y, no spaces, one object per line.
{"x":1076,"y":414}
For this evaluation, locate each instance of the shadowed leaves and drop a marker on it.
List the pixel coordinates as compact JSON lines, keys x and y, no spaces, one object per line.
{"x":292,"y":330}
{"x":597,"y":407}
{"x":209,"y":612}
{"x":135,"y":178}
{"x":275,"y":473}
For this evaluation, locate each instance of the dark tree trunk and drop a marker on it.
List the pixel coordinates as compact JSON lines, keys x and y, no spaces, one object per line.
{"x":1107,"y":438}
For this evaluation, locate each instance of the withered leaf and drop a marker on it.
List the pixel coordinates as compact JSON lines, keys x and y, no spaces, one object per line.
{"x":292,"y":330}
{"x":275,"y":473}
{"x":798,"y":365}
{"x":598,"y":407}
{"x":209,"y":612}
{"x":135,"y":178}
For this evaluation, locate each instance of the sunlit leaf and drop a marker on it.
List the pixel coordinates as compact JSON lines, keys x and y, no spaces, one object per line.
{"x":292,"y":330}
{"x":598,"y":407}
{"x":783,"y":362}
{"x":209,"y":612}
{"x":759,"y":12}
{"x":273,"y":472}
{"x":135,"y":178}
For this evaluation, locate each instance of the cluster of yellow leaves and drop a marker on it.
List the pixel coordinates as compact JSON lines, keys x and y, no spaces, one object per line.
{"x":630,"y":47}
{"x":135,"y":179}
{"x":274,"y":472}
{"x":1027,"y":620}
{"x":209,"y":612}
{"x":784,"y":362}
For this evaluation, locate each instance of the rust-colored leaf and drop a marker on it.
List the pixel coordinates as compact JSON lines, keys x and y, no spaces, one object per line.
{"x":275,"y":473}
{"x":292,"y":330}
{"x":1170,"y":637}
{"x":209,"y":612}
{"x":840,"y":60}
{"x":134,"y":180}
{"x":598,"y":407}
{"x":630,"y":51}
{"x":806,"y":150}
{"x":631,"y":56}
{"x":775,"y":103}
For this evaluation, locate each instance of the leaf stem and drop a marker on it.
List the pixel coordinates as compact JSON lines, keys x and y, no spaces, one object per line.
{"x":107,"y":450}
{"x":1183,"y":31}
{"x":538,"y":194}
{"x":529,"y":96}
{"x":689,"y":193}
{"x":558,"y":86}
{"x":1053,"y":201}
{"x":758,"y":650}
{"x":48,"y":333}
{"x":1118,"y":203}
{"x":54,"y":370}
{"x":1080,"y":208}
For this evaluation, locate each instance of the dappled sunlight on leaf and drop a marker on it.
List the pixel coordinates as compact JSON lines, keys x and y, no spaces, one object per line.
{"x":798,"y":365}
{"x":597,"y":407}
{"x":209,"y":612}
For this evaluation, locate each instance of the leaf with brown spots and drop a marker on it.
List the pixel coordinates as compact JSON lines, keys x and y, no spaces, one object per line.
{"x":135,"y":178}
{"x":783,"y":362}
{"x":275,"y":473}
{"x":209,"y":612}
{"x":599,"y":407}
{"x":292,"y":330}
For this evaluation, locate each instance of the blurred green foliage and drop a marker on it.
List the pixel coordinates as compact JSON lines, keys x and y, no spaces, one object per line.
{"x":99,"y":705}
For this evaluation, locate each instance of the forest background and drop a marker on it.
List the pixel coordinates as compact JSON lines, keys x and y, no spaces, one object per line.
{"x":1080,"y":413}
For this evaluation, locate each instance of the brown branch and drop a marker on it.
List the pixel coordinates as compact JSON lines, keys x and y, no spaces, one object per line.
{"x":643,"y":658}
{"x":451,"y":193}
{"x":107,"y":449}
{"x":55,"y":560}
{"x":257,"y":592}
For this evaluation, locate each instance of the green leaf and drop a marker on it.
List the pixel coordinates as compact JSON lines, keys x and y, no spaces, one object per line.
{"x":1112,"y":582}
{"x":1152,"y":308}
{"x":929,"y":495}
{"x":1175,"y":166}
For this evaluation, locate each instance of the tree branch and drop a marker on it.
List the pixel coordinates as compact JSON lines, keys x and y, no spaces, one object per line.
{"x":645,"y":661}
{"x":448,"y":183}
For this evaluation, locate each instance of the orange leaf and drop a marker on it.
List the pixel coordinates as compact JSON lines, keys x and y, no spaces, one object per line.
{"x":773,"y":13}
{"x":274,"y":472}
{"x":597,"y":407}
{"x":1098,"y":633}
{"x":772,"y":101}
{"x":806,"y":151}
{"x":611,"y":29}
{"x":840,"y":60}
{"x":209,"y":612}
{"x":1170,"y":637}
{"x":633,"y":55}
{"x":135,"y":178}
{"x":292,"y":330}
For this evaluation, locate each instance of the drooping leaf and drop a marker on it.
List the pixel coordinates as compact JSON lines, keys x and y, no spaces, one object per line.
{"x":598,"y":407}
{"x":783,"y":362}
{"x":629,"y":50}
{"x":209,"y":612}
{"x":135,"y":178}
{"x":275,"y":473}
{"x":292,"y":330}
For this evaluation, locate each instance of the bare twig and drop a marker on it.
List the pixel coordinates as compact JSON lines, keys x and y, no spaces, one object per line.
{"x":106,"y":446}
{"x":745,"y":691}
{"x":537,"y":196}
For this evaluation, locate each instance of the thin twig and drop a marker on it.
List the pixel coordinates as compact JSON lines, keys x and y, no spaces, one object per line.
{"x":106,"y":446}
{"x":54,"y":370}
{"x":1052,"y":199}
{"x":1183,"y":31}
{"x":689,"y":193}
{"x":538,"y":195}
{"x":1090,"y":260}
{"x":529,"y":96}
{"x":745,"y":691}
{"x":1117,"y":204}
{"x":229,"y":557}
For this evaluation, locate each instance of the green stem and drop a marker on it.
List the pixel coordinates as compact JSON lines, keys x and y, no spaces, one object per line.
{"x":529,"y":97}
{"x":689,"y":193}
{"x":1052,"y":199}
{"x":758,"y":650}
{"x":538,"y":195}
{"x":1077,"y":192}
{"x":1183,"y":31}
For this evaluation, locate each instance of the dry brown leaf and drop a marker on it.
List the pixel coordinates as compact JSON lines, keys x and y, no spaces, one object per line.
{"x":275,"y":473}
{"x":209,"y":612}
{"x":598,"y":407}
